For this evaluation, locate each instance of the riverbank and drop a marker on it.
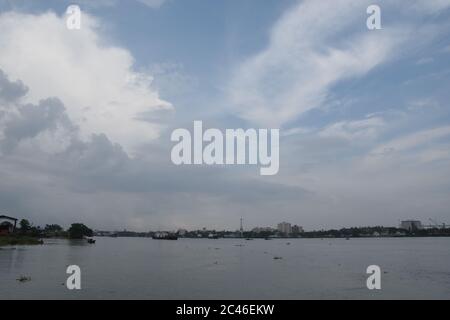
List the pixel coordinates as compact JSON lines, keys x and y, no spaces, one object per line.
{"x":19,"y":240}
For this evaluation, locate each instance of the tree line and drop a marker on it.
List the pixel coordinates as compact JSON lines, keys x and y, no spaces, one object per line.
{"x":76,"y":230}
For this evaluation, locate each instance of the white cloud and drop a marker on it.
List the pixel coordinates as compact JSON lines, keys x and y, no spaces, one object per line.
{"x":172,"y":80}
{"x":430,"y":6}
{"x":411,"y":141}
{"x":423,"y":61}
{"x":354,"y":130}
{"x":314,"y":46}
{"x":153,"y":3}
{"x":95,"y":81}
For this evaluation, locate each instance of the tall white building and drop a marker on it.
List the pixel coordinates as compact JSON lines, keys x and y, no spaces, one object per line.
{"x":285,"y":227}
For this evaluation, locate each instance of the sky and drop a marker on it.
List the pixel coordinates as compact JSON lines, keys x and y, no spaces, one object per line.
{"x":86,"y":115}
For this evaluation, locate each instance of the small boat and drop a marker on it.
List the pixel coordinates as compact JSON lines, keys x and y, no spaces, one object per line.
{"x":91,"y":241}
{"x":164,"y":236}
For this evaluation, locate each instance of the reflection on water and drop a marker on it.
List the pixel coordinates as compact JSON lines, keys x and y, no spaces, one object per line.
{"x":135,"y":268}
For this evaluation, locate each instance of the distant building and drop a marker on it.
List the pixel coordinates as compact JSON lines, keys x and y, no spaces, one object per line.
{"x":411,"y":225}
{"x":182,"y":232}
{"x":7,"y":225}
{"x":100,"y":233}
{"x":285,"y":228}
{"x":264,"y":229}
{"x":297,"y":229}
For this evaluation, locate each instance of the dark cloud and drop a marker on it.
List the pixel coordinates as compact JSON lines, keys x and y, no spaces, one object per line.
{"x":29,"y":120}
{"x":95,"y":180}
{"x":11,"y":91}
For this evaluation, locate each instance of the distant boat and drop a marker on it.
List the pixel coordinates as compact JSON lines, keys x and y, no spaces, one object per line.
{"x":91,"y":241}
{"x":164,"y":236}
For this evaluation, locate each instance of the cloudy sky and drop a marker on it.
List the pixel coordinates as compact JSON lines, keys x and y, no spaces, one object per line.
{"x":86,"y":115}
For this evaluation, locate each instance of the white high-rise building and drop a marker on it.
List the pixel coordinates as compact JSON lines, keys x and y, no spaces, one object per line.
{"x":285,"y":227}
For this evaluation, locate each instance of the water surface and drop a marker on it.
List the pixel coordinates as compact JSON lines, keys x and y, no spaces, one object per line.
{"x":141,"y":268}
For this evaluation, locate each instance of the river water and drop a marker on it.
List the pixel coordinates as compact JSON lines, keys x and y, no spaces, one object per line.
{"x":141,"y":268}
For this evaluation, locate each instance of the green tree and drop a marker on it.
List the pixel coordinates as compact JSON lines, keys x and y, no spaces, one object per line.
{"x":53,"y":228}
{"x":79,"y":230}
{"x":25,"y":225}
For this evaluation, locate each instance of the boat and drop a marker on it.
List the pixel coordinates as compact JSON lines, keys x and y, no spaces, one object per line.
{"x":164,"y":236}
{"x":91,"y":241}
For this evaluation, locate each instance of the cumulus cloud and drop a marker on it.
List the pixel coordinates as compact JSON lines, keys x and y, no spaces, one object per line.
{"x":97,"y":83}
{"x":11,"y":91}
{"x":50,"y":174}
{"x":29,"y":120}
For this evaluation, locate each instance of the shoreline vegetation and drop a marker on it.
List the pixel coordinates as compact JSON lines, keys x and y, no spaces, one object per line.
{"x":27,"y":234}
{"x":345,"y":233}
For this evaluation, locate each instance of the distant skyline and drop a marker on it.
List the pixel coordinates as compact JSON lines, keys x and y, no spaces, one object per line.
{"x":86,"y":115}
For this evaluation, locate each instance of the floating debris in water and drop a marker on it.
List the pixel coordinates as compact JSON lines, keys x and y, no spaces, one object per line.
{"x":23,"y":279}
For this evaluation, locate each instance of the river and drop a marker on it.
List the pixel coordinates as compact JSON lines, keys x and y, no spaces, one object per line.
{"x":142,"y":268}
